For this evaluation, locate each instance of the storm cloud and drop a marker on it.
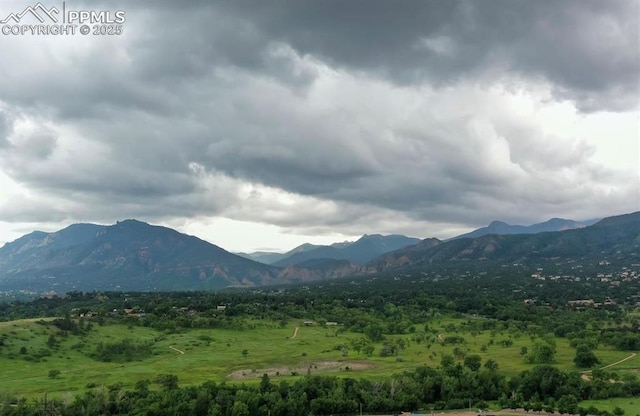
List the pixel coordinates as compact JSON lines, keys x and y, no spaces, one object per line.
{"x":420,"y":117}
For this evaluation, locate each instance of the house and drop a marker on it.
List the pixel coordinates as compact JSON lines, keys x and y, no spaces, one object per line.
{"x":134,"y":312}
{"x":581,"y":303}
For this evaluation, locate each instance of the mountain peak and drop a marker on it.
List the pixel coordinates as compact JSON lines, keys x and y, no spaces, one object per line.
{"x":131,"y":221}
{"x":128,"y":254}
{"x":496,"y":223}
{"x":568,"y":240}
{"x":556,"y":220}
{"x":501,"y":227}
{"x":371,"y":237}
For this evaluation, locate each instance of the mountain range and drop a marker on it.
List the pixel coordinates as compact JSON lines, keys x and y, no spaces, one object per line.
{"x":269,"y":257}
{"x":554,"y":224}
{"x":618,"y":235}
{"x":371,"y":246}
{"x":128,"y":254}
{"x":133,"y":255}
{"x":359,"y":252}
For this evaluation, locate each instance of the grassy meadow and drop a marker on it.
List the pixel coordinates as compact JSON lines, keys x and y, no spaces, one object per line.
{"x":245,"y":355}
{"x":631,"y":406}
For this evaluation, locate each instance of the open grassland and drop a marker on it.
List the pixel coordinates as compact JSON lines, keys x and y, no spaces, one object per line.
{"x":32,"y":348}
{"x":631,"y":406}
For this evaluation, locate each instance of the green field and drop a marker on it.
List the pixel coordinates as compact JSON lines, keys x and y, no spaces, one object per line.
{"x":631,"y":406}
{"x":196,"y":356}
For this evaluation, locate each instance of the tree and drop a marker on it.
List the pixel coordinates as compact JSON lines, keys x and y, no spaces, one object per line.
{"x":240,"y":409}
{"x":585,"y":357}
{"x":245,"y":352}
{"x":447,"y":360}
{"x":51,"y":341}
{"x":617,"y":411}
{"x":167,"y":381}
{"x":374,"y":332}
{"x":543,"y":381}
{"x":54,"y":373}
{"x":142,"y":386}
{"x":568,"y":404}
{"x":387,"y":350}
{"x":536,"y":406}
{"x":473,"y":362}
{"x":541,"y":352}
{"x":368,"y":350}
{"x":265,"y":383}
{"x":491,"y":365}
{"x":401,"y":343}
{"x":550,"y":406}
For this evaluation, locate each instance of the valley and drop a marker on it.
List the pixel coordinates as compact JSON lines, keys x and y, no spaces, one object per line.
{"x":143,"y":318}
{"x":384,"y":331}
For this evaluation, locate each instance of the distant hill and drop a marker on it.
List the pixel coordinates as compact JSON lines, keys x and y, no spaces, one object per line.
{"x":554,"y":224}
{"x":133,"y":255}
{"x":130,"y":255}
{"x":618,"y":235}
{"x":268,"y":257}
{"x":359,"y":252}
{"x":322,"y":269}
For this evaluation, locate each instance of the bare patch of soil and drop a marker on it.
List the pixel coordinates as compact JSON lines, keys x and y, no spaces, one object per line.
{"x":311,"y":367}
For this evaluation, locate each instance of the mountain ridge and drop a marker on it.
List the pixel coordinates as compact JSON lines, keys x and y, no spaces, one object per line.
{"x":127,"y":252}
{"x":361,"y":251}
{"x":611,"y":234}
{"x":133,"y":255}
{"x":503,"y":228}
{"x":268,"y":257}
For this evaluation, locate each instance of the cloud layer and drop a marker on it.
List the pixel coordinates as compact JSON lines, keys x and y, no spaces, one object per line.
{"x":424,"y":118}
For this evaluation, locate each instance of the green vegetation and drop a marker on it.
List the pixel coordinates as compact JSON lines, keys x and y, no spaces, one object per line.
{"x":452,"y":343}
{"x":585,"y":356}
{"x":630,"y":406}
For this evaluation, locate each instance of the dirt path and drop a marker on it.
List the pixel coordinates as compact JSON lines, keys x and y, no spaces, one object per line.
{"x":618,"y":362}
{"x":441,"y":337}
{"x":611,"y":365}
{"x":176,"y":350}
{"x":295,"y":332}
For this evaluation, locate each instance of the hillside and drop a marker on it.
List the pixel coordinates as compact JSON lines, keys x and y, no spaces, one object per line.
{"x":133,"y":255}
{"x":499,"y":227}
{"x":359,"y":252}
{"x":619,"y":235}
{"x":268,"y":257}
{"x":130,"y":255}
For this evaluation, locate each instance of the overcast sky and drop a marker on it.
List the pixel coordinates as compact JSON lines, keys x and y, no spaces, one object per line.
{"x":265,"y":124}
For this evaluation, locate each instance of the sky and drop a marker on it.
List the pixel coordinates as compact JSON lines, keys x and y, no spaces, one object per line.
{"x":261,"y":125}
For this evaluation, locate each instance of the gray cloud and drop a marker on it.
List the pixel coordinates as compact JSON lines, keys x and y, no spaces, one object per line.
{"x":5,"y":128}
{"x":313,"y":116}
{"x":587,"y":49}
